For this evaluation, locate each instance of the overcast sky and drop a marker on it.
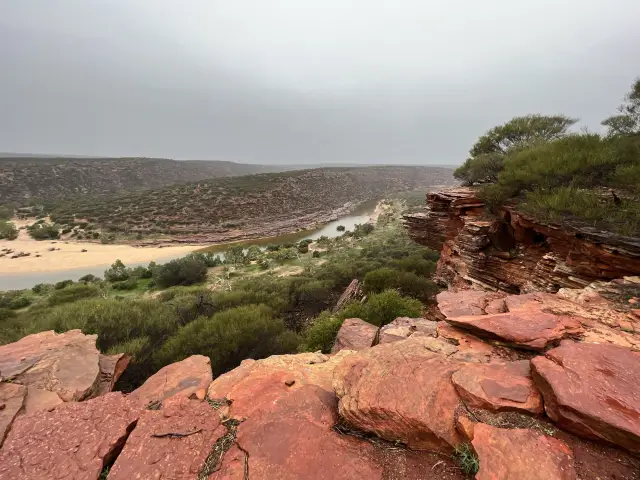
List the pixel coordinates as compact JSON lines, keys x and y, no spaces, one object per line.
{"x":303,"y":81}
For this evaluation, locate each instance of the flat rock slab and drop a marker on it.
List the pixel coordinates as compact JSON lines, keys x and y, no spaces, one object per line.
{"x":498,"y":387}
{"x":532,"y":330}
{"x":11,"y":401}
{"x":469,"y":302}
{"x":72,"y":441}
{"x":593,"y":391}
{"x":66,"y":364}
{"x":404,"y":327}
{"x":173,"y":442}
{"x":355,"y":334}
{"x":521,"y":454}
{"x":401,"y":391}
{"x":190,"y":376}
{"x":294,"y":440}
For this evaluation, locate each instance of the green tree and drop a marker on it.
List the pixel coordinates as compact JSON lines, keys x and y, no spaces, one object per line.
{"x":117,"y":272}
{"x":487,"y":154}
{"x":627,"y":122}
{"x":5,"y":212}
{"x":182,"y":271}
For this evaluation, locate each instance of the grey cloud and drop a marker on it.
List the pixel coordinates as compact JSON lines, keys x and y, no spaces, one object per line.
{"x":284,"y":81}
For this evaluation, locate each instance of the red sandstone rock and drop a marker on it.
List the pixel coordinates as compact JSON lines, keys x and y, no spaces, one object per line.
{"x":498,"y":387}
{"x":267,"y":379}
{"x":351,"y":293}
{"x":111,"y":367}
{"x":191,"y":375}
{"x":355,"y":334}
{"x":593,"y":391}
{"x":468,"y":302}
{"x":66,"y":364}
{"x":75,"y":440}
{"x":521,"y":454}
{"x":400,"y":391}
{"x":173,"y":442}
{"x":293,"y":440}
{"x":404,"y":327}
{"x":11,"y":401}
{"x":465,"y":426}
{"x":531,"y":330}
{"x":469,"y":347}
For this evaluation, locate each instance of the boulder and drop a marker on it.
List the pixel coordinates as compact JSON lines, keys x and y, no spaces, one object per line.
{"x":498,"y":387}
{"x":593,"y":391}
{"x":56,"y":368}
{"x":11,"y":401}
{"x":294,"y":440}
{"x":355,"y":334}
{"x":172,"y":442}
{"x":190,"y":376}
{"x":75,"y":440}
{"x":404,"y":327}
{"x":532,"y":330}
{"x":401,"y":391}
{"x":470,"y":348}
{"x":520,"y":454}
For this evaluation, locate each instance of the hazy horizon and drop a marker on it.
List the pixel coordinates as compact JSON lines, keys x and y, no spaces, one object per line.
{"x":302,"y":83}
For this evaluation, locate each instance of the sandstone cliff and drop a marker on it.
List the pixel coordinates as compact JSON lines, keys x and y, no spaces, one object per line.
{"x":513,"y":253}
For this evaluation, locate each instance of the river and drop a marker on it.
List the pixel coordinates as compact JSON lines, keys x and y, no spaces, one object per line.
{"x":20,"y":281}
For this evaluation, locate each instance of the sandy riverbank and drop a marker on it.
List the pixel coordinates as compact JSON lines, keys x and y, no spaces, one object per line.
{"x":67,"y":256}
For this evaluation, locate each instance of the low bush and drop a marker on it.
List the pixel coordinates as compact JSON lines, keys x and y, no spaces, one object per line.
{"x":129,"y":284}
{"x":43,"y":231}
{"x":15,"y":299}
{"x":322,"y":333}
{"x":42,"y":288}
{"x":73,"y":293}
{"x":183,"y":271}
{"x":118,"y":272}
{"x":8,"y":231}
{"x":62,"y":284}
{"x":229,"y":337}
{"x":382,"y":308}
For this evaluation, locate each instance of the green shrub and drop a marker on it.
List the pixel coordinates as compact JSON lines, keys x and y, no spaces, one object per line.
{"x":322,"y":333}
{"x":382,"y":308}
{"x":380,"y":279}
{"x":8,"y":231}
{"x":73,"y":293}
{"x":303,"y":249}
{"x":62,"y":284}
{"x":42,"y":288}
{"x":182,"y":271}
{"x":15,"y":299}
{"x":89,"y":278}
{"x":228,"y":337}
{"x":118,"y":272}
{"x":5,"y":212}
{"x":43,"y":231}
{"x":129,"y":284}
{"x":341,"y":228}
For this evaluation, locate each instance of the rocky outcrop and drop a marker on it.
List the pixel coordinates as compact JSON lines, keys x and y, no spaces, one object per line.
{"x":521,"y":454}
{"x":377,"y":413}
{"x":352,"y":293}
{"x":511,"y":251}
{"x":593,"y":391}
{"x":75,"y":440}
{"x":498,"y":387}
{"x":355,"y":334}
{"x":57,"y":368}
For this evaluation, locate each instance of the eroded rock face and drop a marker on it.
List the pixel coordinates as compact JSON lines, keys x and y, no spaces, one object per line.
{"x":171,"y":442}
{"x":75,"y":440}
{"x":59,"y":368}
{"x":520,"y":454}
{"x":513,"y":253}
{"x":400,"y":391}
{"x":190,"y":376}
{"x":498,"y":387}
{"x":355,"y":334}
{"x":593,"y":391}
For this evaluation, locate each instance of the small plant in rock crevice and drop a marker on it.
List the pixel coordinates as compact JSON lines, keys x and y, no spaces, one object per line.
{"x":466,"y":459}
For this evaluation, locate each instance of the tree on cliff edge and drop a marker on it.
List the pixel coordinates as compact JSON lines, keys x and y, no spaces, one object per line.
{"x":487,"y":154}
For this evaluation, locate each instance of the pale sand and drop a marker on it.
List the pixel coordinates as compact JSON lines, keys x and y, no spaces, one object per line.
{"x":70,"y":255}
